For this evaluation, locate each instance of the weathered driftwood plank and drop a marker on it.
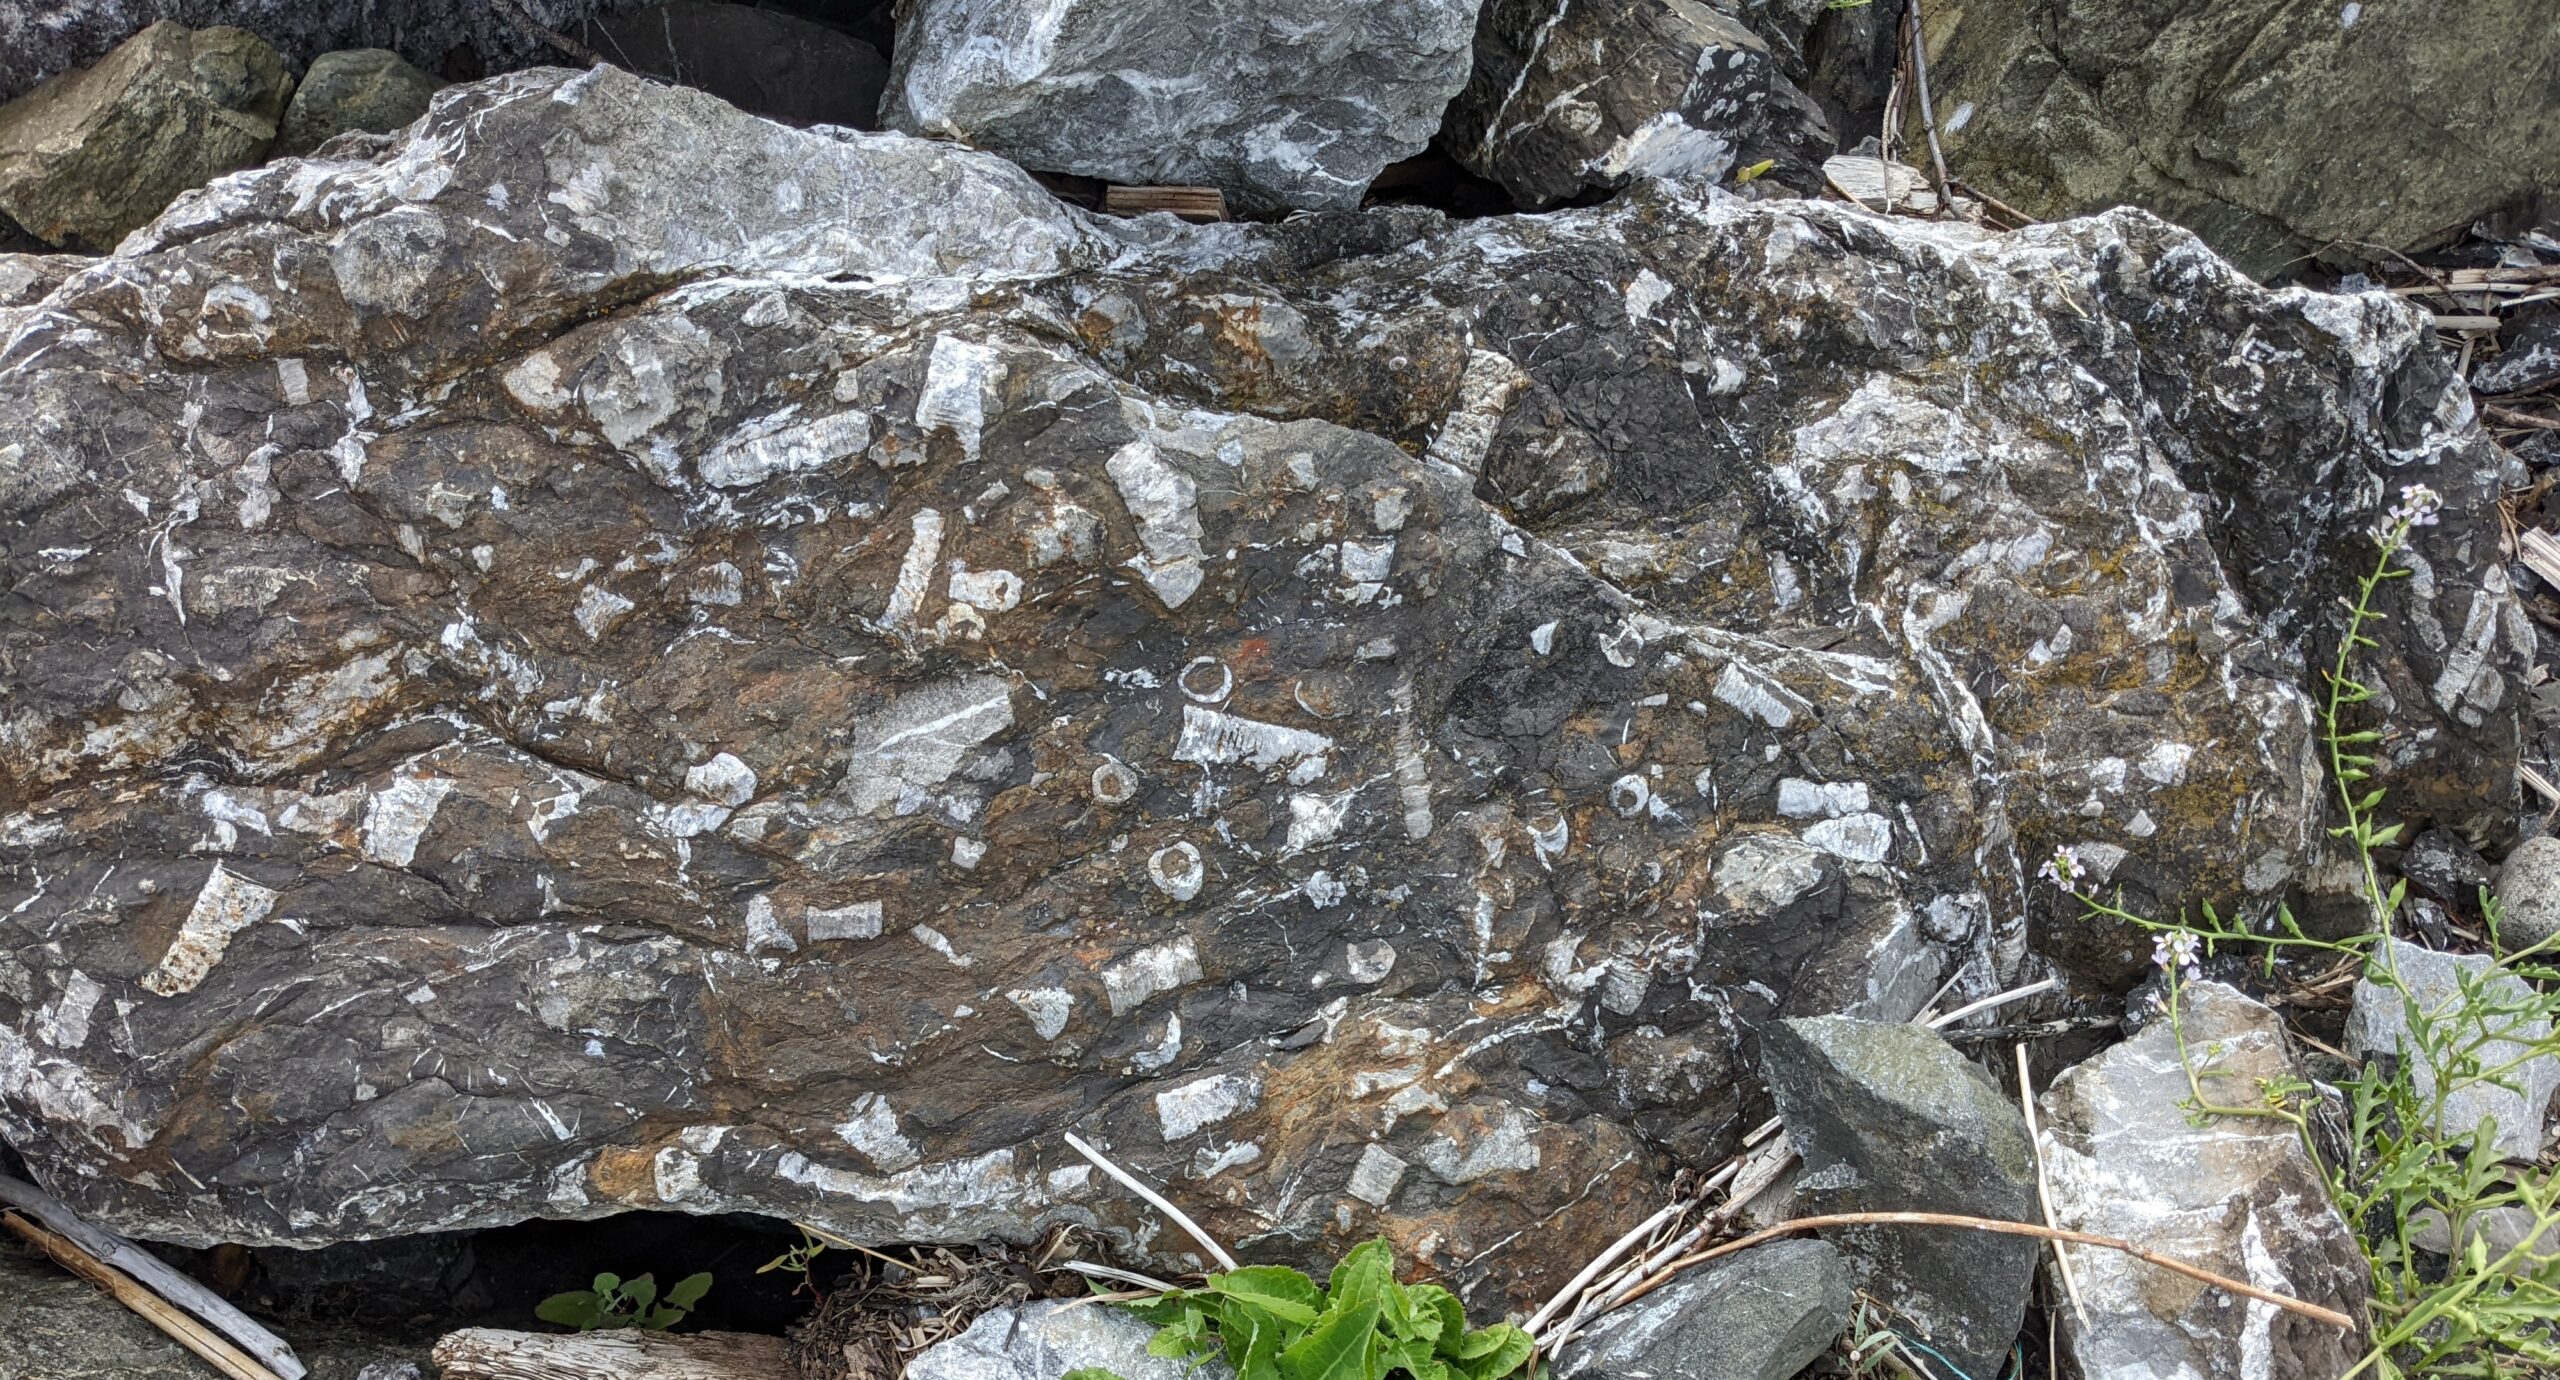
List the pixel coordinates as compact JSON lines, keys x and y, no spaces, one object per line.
{"x":1195,"y":204}
{"x":489,"y":1353}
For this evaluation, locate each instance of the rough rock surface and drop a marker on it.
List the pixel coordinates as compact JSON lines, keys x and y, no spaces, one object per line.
{"x":1763,"y":1314}
{"x":1282,"y":103}
{"x":2273,"y":128}
{"x":370,"y":89}
{"x":95,"y":153}
{"x":1568,"y":98}
{"x":49,"y":37}
{"x":57,"y":1327}
{"x":1889,"y":1118}
{"x":609,"y":653}
{"x":773,"y":64}
{"x":2528,"y":893}
{"x":2519,"y":1101}
{"x":1046,"y":1341}
{"x":2237,"y":1196}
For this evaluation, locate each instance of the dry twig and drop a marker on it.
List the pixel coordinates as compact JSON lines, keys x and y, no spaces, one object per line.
{"x":2044,"y":1190}
{"x":1154,"y":1199}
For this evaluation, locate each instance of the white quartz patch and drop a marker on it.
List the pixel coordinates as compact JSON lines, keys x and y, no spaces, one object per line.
{"x":861,"y":920}
{"x":1215,"y":737}
{"x":783,"y":444}
{"x":228,"y":904}
{"x":1207,"y":1101}
{"x":722,"y":778}
{"x":919,"y":740}
{"x":398,"y":816}
{"x":1164,"y":503}
{"x":1047,"y":1008}
{"x":872,"y":1128}
{"x":1801,"y":799}
{"x":960,"y":379}
{"x":1166,"y":967}
{"x":1375,"y":1177}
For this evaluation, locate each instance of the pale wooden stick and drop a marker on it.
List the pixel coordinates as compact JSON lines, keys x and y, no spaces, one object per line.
{"x":1600,"y":1262}
{"x":156,"y":1275}
{"x":184,"y":1330}
{"x":1114,"y":1272}
{"x":1155,"y":1200}
{"x":2044,"y":1191}
{"x":1987,"y":1003}
{"x":1998,"y":1227}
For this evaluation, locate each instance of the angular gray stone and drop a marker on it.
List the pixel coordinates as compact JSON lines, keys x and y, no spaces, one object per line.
{"x":50,"y":37}
{"x":2379,"y":1022}
{"x":2263,"y":125}
{"x":1889,"y":1118}
{"x":370,"y":89}
{"x":1762,"y":1314}
{"x":2236,"y":1196}
{"x":627,"y":613}
{"x":2528,"y":893}
{"x":772,"y":64}
{"x":1569,"y":98}
{"x":1044,"y":1341}
{"x":93,"y":154}
{"x":1284,"y":104}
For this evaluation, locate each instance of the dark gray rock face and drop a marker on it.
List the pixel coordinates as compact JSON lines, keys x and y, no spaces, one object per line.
{"x":602,"y":652}
{"x":2264,"y":125}
{"x":1568,"y":98}
{"x":54,"y":36}
{"x":1762,"y":1314}
{"x":2237,"y":1196}
{"x":772,"y":64}
{"x":1282,"y":103}
{"x":1889,"y":1118}
{"x":95,"y":153}
{"x":369,"y":89}
{"x":2517,"y":1103}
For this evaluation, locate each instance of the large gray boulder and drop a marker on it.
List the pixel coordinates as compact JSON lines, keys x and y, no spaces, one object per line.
{"x":2276,"y":129}
{"x":2239,"y":1196}
{"x":605,"y":653}
{"x":1568,"y":99}
{"x":367,"y":89}
{"x":92,"y":154}
{"x":1889,"y":1118}
{"x":1285,"y":104}
{"x":1761,"y":1314}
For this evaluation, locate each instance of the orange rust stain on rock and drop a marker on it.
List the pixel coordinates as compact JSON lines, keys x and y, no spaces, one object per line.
{"x":624,"y":1174}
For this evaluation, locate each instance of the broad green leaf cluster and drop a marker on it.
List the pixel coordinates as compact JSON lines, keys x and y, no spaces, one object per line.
{"x":618,"y":1302}
{"x":1273,"y":1323}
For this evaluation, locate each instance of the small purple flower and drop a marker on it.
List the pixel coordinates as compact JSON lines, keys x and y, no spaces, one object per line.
{"x":2064,"y":869}
{"x":2418,"y":507}
{"x":2179,"y":951}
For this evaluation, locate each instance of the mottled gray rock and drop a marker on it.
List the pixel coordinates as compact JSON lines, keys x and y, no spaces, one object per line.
{"x":90,"y":155}
{"x":2267,"y":126}
{"x":370,"y":89}
{"x":602,"y":652}
{"x":1568,"y":98}
{"x":54,"y":36}
{"x":1889,"y":1118}
{"x":1762,"y":1314}
{"x":2436,"y":983}
{"x":2528,"y":893}
{"x":2439,"y":863}
{"x":2241,"y":1197}
{"x":2528,"y":352}
{"x":1282,"y":103}
{"x":773,"y":64}
{"x":1044,"y":1341}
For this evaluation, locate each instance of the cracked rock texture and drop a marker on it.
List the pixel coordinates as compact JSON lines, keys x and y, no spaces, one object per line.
{"x":1284,"y":104}
{"x":2239,"y":1196}
{"x":602,"y":652}
{"x":369,"y":89}
{"x":1572,"y":98}
{"x":2273,"y":128}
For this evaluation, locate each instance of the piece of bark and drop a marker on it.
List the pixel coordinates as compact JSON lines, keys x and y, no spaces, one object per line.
{"x":1198,"y":205}
{"x":489,"y":1353}
{"x":156,"y":1275}
{"x":206,"y":1343}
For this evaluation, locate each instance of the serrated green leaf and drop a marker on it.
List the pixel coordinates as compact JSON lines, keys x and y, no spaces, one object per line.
{"x":1253,"y":1340}
{"x":1276,"y":1289}
{"x":1511,"y":1350}
{"x":1341,"y":1346}
{"x":1448,"y":1318}
{"x":1362,"y":1276}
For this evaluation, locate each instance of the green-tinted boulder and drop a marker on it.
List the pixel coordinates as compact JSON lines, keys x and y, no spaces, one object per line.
{"x":362,"y":88}
{"x":90,"y":155}
{"x":2276,"y":129}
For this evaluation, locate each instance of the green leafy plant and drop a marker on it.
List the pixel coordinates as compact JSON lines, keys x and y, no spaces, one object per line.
{"x":619,"y":1302}
{"x":800,"y":1260}
{"x":1273,"y":1323}
{"x":2463,"y":1245}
